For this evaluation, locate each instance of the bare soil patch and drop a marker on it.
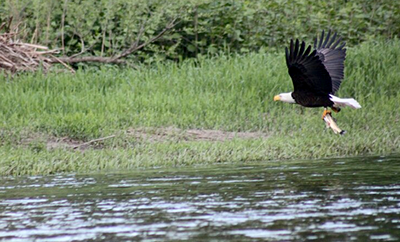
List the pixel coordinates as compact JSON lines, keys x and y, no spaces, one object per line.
{"x":170,"y":133}
{"x":148,"y":135}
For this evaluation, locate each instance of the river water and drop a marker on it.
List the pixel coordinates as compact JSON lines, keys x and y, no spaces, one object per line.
{"x":321,"y":200}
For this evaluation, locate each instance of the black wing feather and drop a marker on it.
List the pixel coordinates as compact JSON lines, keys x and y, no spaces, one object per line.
{"x":332,"y":58}
{"x":322,"y":38}
{"x":332,"y":39}
{"x":308,"y":73}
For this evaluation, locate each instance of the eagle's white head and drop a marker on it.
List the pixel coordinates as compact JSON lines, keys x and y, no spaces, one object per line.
{"x":285,"y":97}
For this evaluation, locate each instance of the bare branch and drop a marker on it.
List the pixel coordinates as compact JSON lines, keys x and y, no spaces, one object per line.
{"x":117,"y":59}
{"x":64,"y":64}
{"x":141,"y":31}
{"x":94,"y":141}
{"x":18,"y":56}
{"x":82,"y":52}
{"x":99,"y":59}
{"x":134,"y":47}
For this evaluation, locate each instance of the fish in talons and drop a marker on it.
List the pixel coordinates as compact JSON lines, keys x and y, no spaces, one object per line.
{"x":330,"y":123}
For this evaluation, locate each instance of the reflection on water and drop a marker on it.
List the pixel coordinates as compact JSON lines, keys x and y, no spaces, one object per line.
{"x":338,"y":199}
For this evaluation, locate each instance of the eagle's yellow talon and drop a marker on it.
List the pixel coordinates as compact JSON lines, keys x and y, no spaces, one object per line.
{"x":326,"y":112}
{"x":336,"y":110}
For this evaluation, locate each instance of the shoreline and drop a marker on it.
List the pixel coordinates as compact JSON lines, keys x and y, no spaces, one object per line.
{"x":122,"y":152}
{"x":202,"y":111}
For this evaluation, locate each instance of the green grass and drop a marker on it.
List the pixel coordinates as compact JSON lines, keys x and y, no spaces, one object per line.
{"x":225,"y":93}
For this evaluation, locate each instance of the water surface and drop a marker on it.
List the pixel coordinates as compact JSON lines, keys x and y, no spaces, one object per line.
{"x":325,"y":200}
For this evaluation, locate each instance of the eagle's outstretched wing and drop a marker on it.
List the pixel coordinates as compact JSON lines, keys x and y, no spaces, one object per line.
{"x":307,"y":71}
{"x":332,"y":56}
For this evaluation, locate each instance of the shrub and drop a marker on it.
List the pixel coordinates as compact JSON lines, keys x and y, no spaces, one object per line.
{"x":103,"y":27}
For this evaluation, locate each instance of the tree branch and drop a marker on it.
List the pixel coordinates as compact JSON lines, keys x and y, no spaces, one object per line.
{"x":99,"y":59}
{"x":94,"y":141}
{"x":134,"y":47}
{"x":18,"y":56}
{"x":117,"y":59}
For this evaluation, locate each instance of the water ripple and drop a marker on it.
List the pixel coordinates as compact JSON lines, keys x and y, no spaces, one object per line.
{"x":309,"y":200}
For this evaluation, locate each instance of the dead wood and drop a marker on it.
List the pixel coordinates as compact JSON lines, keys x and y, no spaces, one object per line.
{"x":93,"y":141}
{"x":118,"y":58}
{"x":16,"y":56}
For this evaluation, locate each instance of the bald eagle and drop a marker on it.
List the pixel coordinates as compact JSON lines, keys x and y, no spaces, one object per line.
{"x":317,"y":74}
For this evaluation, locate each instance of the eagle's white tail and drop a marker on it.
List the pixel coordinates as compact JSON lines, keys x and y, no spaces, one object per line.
{"x":341,"y":102}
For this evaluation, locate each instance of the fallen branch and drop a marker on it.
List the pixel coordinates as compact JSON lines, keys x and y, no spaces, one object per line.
{"x":16,"y":56}
{"x":135,"y":46}
{"x":64,"y":64}
{"x":118,"y":58}
{"x":98,"y":59}
{"x":93,"y":141}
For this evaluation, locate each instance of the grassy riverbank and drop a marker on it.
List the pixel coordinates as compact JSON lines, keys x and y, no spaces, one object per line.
{"x":164,"y":115}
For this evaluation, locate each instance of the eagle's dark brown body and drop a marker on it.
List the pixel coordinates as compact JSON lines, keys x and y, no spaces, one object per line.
{"x":311,"y":100}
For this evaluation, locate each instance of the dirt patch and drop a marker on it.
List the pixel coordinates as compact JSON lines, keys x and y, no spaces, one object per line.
{"x":65,"y":142}
{"x":41,"y":141}
{"x":168,"y":134}
{"x":151,"y":135}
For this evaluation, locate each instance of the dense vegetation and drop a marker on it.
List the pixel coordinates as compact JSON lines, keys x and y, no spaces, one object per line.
{"x":104,"y":28}
{"x":229,"y":86}
{"x":232,"y":93}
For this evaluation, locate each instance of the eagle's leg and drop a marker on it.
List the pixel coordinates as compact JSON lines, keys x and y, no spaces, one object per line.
{"x":336,"y":110}
{"x":326,"y":112}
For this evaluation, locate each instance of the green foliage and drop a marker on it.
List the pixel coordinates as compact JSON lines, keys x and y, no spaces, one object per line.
{"x":232,"y":93}
{"x":103,"y":27}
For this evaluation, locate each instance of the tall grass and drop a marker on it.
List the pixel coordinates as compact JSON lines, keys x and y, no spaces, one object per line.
{"x":232,"y":93}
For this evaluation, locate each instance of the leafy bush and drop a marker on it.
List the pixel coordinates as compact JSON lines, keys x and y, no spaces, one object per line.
{"x":104,"y":28}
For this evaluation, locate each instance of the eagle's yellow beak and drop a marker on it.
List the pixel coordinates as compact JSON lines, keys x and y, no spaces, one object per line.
{"x":277,"y":98}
